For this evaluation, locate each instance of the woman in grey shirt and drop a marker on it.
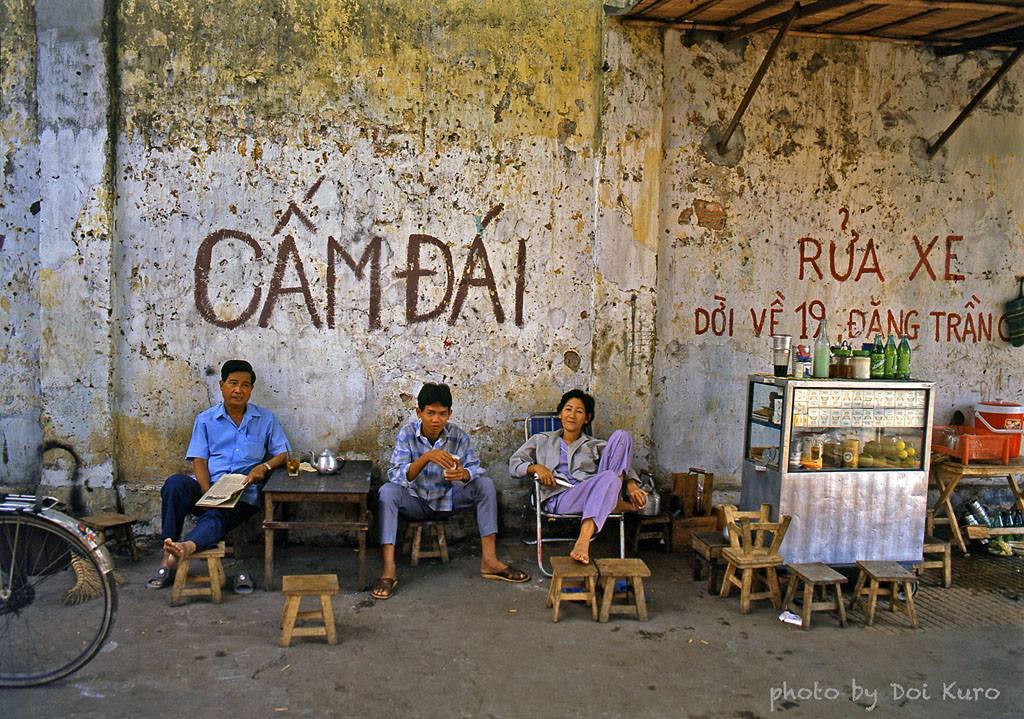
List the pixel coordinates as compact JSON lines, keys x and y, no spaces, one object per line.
{"x":579,"y":474}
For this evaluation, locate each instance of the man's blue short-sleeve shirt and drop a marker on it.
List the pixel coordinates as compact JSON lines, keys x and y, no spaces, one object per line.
{"x":231,"y":449}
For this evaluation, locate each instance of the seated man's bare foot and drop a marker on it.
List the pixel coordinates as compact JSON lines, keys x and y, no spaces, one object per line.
{"x":581,"y":552}
{"x":181,"y":550}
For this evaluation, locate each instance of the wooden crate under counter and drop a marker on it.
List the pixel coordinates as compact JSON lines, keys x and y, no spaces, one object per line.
{"x":683,"y":529}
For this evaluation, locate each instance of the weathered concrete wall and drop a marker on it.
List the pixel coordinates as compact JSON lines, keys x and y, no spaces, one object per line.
{"x":832,"y":155}
{"x":20,"y":430}
{"x":515,"y":198}
{"x":75,"y":243}
{"x":357,"y":197}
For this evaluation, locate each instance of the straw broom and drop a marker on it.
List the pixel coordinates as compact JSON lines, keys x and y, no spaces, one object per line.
{"x":87,"y":582}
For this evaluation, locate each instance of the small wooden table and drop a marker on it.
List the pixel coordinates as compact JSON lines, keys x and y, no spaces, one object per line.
{"x":350,"y":485}
{"x":949,"y":474}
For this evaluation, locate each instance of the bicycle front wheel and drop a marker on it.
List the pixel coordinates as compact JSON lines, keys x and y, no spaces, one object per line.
{"x":57,"y":605}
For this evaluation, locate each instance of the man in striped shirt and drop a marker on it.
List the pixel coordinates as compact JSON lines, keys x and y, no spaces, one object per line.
{"x":434,"y":473}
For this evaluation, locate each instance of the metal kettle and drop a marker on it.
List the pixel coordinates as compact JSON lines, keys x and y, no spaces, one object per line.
{"x":326,"y":462}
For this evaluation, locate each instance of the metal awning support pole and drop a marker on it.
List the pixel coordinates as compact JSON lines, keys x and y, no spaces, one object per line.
{"x":758,"y":76}
{"x":1003,"y":69}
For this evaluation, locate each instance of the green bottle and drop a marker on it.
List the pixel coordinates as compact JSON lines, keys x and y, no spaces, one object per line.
{"x":903,"y":359}
{"x":890,"y":358}
{"x":878,"y":359}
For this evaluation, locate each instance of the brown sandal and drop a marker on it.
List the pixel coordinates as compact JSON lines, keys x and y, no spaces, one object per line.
{"x":508,"y":574}
{"x":383,"y":588}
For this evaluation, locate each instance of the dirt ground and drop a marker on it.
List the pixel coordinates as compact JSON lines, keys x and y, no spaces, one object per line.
{"x":450,"y":644}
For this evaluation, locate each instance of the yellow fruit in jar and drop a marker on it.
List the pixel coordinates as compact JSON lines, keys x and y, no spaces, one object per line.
{"x":866,"y":460}
{"x":900,"y":444}
{"x":911,"y":452}
{"x":904,"y":454}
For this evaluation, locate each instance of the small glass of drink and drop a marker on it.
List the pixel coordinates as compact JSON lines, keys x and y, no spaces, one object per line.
{"x":293,"y":464}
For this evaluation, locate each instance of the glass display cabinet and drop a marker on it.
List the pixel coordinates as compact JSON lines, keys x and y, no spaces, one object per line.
{"x":846,"y":459}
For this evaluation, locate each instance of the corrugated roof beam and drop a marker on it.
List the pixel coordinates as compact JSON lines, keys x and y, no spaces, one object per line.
{"x":1003,"y":69}
{"x":800,"y":12}
{"x":723,"y":144}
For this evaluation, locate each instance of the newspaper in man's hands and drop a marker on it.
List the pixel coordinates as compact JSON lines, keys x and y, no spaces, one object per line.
{"x":224,"y":493}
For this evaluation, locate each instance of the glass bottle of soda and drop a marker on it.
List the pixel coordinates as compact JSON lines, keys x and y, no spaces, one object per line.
{"x":878,"y":359}
{"x":903,"y":359}
{"x":890,"y":358}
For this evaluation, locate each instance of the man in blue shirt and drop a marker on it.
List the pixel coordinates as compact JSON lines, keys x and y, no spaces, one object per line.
{"x":434,"y":472}
{"x":232,"y":437}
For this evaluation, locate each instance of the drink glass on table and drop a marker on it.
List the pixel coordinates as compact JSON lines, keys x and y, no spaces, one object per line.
{"x":293,"y":464}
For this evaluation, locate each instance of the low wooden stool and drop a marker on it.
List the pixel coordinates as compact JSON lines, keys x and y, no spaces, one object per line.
{"x":658,"y":527}
{"x":812,"y":576}
{"x":567,"y":573}
{"x":707,"y":551}
{"x":414,"y":539}
{"x":297,"y":586}
{"x":119,"y":528}
{"x":213,"y":580}
{"x":633,"y":570}
{"x":880,"y":574}
{"x":933,"y":545}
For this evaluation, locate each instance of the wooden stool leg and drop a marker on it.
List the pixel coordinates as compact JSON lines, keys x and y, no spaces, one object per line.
{"x":730,"y":571}
{"x":129,"y":537}
{"x":215,"y":569}
{"x":858,"y":588}
{"x":909,"y":603}
{"x":327,"y":610}
{"x":773,"y":586}
{"x":698,"y":562}
{"x":291,"y":610}
{"x":748,"y":575}
{"x":840,"y":606}
{"x":607,"y":590}
{"x":591,"y":583}
{"x":805,"y":616}
{"x":639,"y":597}
{"x":556,"y":597}
{"x":417,"y":538}
{"x":180,"y":580}
{"x":442,"y":542}
{"x":791,"y":588}
{"x":947,"y":568}
{"x":872,"y":600}
{"x":407,"y":539}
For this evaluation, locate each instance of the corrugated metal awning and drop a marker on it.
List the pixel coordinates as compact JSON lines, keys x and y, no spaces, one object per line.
{"x":953,"y":25}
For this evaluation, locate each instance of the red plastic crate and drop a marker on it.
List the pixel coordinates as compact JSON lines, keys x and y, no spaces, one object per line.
{"x":971,"y":447}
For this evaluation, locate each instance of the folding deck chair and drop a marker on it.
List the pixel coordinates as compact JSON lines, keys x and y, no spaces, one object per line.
{"x":547,"y":422}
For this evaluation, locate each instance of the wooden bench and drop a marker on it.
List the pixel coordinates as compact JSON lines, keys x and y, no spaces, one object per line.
{"x":414,"y":541}
{"x":633,"y":571}
{"x":200,"y":585}
{"x":572,"y":582}
{"x":707,"y":552}
{"x":112,"y":527}
{"x":878,"y":574}
{"x":295,"y":587}
{"x":944,"y":562}
{"x":812,"y":576}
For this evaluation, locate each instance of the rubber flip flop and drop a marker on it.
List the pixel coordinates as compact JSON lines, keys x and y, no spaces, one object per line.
{"x":160,"y":579}
{"x":243,"y":583}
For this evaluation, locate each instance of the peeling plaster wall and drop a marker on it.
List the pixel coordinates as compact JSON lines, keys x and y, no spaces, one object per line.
{"x":283,"y":136}
{"x":831,"y":149}
{"x":20,"y":430}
